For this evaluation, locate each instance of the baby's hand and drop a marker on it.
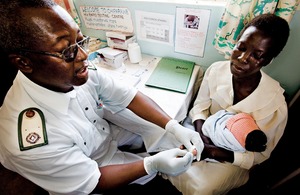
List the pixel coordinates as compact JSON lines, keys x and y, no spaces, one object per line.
{"x":193,"y":151}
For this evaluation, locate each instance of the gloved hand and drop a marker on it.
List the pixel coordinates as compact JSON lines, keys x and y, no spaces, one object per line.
{"x":189,"y":138}
{"x":171,"y":162}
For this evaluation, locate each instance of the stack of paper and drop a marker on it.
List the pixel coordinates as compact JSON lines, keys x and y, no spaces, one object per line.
{"x":171,"y":74}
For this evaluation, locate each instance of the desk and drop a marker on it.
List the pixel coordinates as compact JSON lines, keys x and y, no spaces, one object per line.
{"x":173,"y":103}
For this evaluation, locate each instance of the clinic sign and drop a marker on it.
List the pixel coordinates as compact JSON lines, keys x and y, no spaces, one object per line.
{"x":107,"y":18}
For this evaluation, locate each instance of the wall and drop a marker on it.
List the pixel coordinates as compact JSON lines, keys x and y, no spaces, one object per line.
{"x":285,"y":68}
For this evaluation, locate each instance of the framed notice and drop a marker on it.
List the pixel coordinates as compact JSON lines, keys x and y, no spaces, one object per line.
{"x":107,"y":18}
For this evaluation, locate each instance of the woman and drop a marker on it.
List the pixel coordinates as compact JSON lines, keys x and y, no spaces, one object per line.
{"x":239,"y":85}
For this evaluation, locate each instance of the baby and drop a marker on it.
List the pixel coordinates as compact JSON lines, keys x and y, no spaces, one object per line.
{"x":234,"y":131}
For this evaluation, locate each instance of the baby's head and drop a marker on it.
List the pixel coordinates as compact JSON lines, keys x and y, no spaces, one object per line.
{"x":247,"y":133}
{"x":256,"y":141}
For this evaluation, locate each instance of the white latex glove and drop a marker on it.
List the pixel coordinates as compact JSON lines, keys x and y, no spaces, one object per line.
{"x":171,"y":162}
{"x":189,"y":138}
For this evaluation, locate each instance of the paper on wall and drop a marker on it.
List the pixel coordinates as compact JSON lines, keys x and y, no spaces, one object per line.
{"x":191,"y":30}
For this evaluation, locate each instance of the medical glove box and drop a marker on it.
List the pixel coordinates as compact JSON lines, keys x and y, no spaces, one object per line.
{"x":119,"y":40}
{"x":112,"y":57}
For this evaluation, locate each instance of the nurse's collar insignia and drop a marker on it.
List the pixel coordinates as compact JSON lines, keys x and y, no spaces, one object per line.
{"x":91,"y":66}
{"x":31,"y":129}
{"x":99,"y":103}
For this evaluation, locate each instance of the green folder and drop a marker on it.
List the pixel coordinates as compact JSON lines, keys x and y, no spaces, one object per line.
{"x":171,"y":74}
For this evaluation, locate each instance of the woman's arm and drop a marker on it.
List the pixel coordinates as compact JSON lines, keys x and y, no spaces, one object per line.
{"x":217,"y":153}
{"x":198,"y":127}
{"x":210,"y":150}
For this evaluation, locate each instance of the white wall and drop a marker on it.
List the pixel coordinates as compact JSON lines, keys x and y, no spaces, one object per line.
{"x":285,"y":68}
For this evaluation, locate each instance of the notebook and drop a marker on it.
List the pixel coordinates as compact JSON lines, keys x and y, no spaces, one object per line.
{"x":171,"y":74}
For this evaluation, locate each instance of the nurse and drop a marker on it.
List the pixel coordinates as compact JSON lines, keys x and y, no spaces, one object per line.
{"x":53,"y":128}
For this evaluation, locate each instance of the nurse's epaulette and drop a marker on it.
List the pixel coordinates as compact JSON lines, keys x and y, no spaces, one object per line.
{"x":31,"y":129}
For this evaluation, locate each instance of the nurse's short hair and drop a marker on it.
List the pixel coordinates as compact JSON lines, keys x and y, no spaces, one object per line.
{"x":16,"y":31}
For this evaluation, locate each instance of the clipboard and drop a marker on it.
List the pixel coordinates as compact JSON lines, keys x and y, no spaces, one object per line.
{"x":171,"y":74}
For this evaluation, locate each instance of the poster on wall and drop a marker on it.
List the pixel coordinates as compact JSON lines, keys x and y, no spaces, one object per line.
{"x":191,"y":30}
{"x":155,"y":27}
{"x":107,"y":18}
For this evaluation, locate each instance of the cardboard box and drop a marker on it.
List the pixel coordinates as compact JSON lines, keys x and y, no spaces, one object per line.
{"x":112,"y":57}
{"x":119,"y":40}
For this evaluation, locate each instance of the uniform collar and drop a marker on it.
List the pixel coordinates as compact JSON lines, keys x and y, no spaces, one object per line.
{"x":269,"y":87}
{"x":49,"y":99}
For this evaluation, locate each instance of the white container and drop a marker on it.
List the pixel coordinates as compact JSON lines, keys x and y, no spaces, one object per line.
{"x":134,"y":53}
{"x":112,"y":57}
{"x":119,"y":40}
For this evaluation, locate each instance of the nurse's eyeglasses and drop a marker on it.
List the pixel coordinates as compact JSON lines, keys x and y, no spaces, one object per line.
{"x":68,"y":54}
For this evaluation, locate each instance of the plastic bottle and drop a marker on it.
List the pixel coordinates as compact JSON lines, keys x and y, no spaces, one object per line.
{"x":134,"y":53}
